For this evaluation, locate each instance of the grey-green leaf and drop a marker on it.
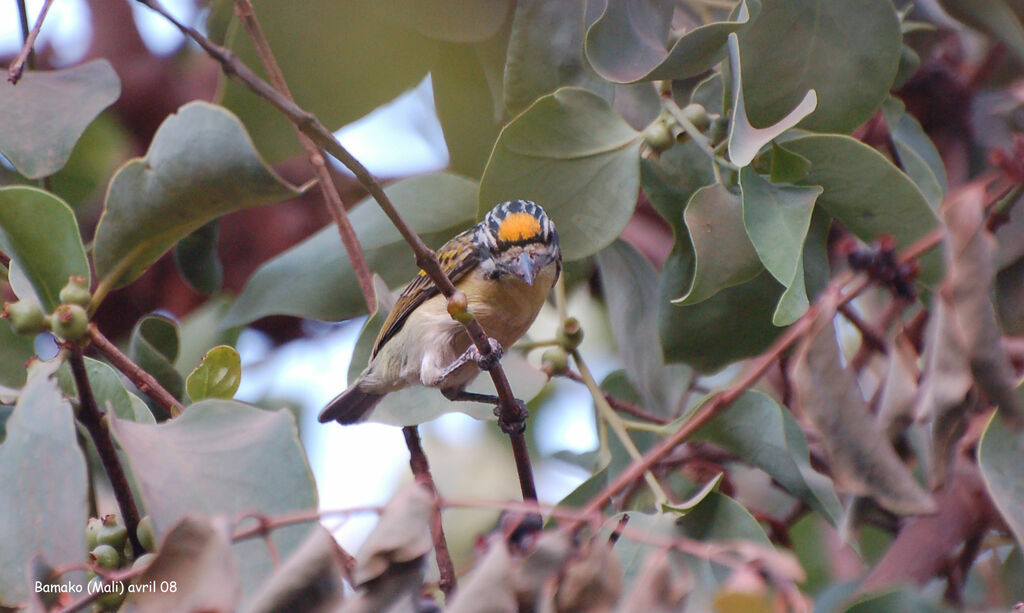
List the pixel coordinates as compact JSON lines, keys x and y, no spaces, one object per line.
{"x":724,"y":256}
{"x":629,"y":41}
{"x":43,"y":472}
{"x":847,"y":52}
{"x":153,"y":345}
{"x":917,"y":154}
{"x":765,"y":434}
{"x":40,"y":234}
{"x":744,"y":139}
{"x":575,"y":156}
{"x":200,"y":165}
{"x":107,"y":388}
{"x":999,"y":456}
{"x":314,"y":279}
{"x":869,"y":195}
{"x":43,"y":116}
{"x":223,"y":457}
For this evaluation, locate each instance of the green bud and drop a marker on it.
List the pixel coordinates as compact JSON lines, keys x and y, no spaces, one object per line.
{"x":658,"y":136}
{"x":147,"y":538}
{"x":76,"y":292}
{"x":26,"y":317}
{"x":570,"y":335}
{"x":92,"y":532}
{"x":70,"y":322}
{"x":697,"y":115}
{"x":105,"y":556}
{"x":112,"y":532}
{"x":554,"y":361}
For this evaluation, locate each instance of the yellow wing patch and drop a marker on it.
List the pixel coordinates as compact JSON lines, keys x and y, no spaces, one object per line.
{"x":518,"y":227}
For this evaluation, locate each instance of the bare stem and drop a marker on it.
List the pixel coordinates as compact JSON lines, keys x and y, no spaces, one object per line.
{"x":90,"y":416}
{"x":421,"y":470}
{"x":146,"y":383}
{"x":26,"y":54}
{"x":622,"y":405}
{"x":511,"y":416}
{"x":245,"y":12}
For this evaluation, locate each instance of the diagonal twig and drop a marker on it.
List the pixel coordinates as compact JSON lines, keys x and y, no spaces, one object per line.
{"x":146,"y":383}
{"x":245,"y":12}
{"x":17,"y":67}
{"x":421,"y":469}
{"x":510,"y":413}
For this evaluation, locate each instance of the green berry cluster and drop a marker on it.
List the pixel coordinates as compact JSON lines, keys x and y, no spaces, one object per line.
{"x":110,"y":549}
{"x":69,"y":321}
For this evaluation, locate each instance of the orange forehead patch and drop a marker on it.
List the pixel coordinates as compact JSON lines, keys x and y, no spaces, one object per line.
{"x":518,"y":227}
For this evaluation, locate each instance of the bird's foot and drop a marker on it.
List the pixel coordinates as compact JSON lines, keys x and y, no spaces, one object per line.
{"x":486,"y":362}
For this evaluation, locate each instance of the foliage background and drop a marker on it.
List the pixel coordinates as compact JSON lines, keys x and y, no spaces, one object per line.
{"x":696,"y":243}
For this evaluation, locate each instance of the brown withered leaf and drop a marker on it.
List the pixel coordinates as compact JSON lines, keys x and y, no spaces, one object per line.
{"x":863,"y":462}
{"x":659,"y":588}
{"x":592,"y":583}
{"x":899,"y":391}
{"x":308,"y":581}
{"x":401,"y":536}
{"x":490,"y":587}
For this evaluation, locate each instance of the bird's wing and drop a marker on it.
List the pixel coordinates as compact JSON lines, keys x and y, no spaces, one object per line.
{"x":457,"y":260}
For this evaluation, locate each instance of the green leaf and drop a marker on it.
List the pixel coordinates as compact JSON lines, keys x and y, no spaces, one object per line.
{"x":777,"y":218}
{"x":217,"y":376}
{"x":314,"y":279}
{"x":110,"y":393}
{"x":999,"y":455}
{"x":154,"y":346}
{"x":766,"y":435}
{"x":40,"y":234}
{"x":868,"y":195}
{"x":917,"y":155}
{"x":629,"y":41}
{"x":200,"y":165}
{"x":723,"y":254}
{"x":457,"y":21}
{"x":847,"y":52}
{"x":902,"y":600}
{"x":786,"y":166}
{"x":46,"y":112}
{"x":228,"y":458}
{"x":201,"y":331}
{"x":1000,"y":18}
{"x":43,"y":472}
{"x":862,"y":459}
{"x":545,"y":52}
{"x":573,"y":155}
{"x":744,"y":139}
{"x":15,"y":351}
{"x":391,"y":59}
{"x":195,"y":256}
{"x":466,"y":80}
{"x":720,"y":518}
{"x":630,"y":286}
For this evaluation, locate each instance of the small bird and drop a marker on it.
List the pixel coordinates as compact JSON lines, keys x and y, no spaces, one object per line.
{"x":506,"y":265}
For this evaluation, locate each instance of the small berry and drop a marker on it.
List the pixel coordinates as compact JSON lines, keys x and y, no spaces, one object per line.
{"x":105,"y":556}
{"x":26,"y":317}
{"x":70,"y":322}
{"x":554,"y":361}
{"x":458,"y":308}
{"x":112,"y":533}
{"x":76,"y":292}
{"x":570,"y":335}
{"x":697,"y":115}
{"x":147,"y":538}
{"x":92,"y":532}
{"x":658,"y":136}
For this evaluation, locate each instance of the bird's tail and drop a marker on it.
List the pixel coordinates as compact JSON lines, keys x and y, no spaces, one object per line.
{"x":350,"y":406}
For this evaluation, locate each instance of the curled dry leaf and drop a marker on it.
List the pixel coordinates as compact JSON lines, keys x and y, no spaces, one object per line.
{"x":863,"y":461}
{"x":541,"y":566}
{"x":195,"y":556}
{"x":490,"y":587}
{"x":659,"y":588}
{"x":402,"y":535}
{"x":592,"y":583}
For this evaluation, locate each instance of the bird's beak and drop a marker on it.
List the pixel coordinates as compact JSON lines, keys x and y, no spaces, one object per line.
{"x":524,"y":268}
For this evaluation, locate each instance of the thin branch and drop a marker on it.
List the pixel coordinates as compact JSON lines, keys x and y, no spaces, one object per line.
{"x":26,"y":55}
{"x":421,"y":470}
{"x":89,"y":415}
{"x":511,"y":415}
{"x":622,"y":405}
{"x":245,"y":12}
{"x":135,"y":373}
{"x":847,"y":286}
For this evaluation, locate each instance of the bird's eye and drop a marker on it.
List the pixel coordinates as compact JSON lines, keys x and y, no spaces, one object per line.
{"x":491,"y":275}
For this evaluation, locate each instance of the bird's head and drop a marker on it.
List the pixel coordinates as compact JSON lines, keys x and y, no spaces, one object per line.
{"x":520,"y":239}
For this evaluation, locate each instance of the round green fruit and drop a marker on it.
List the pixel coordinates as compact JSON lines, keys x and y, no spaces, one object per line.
{"x":112,"y":532}
{"x":105,"y":556}
{"x":70,"y":322}
{"x":26,"y":317}
{"x":147,"y":538}
{"x":76,"y":292}
{"x":555,"y":361}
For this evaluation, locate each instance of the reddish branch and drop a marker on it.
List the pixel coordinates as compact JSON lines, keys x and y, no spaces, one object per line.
{"x":511,"y":413}
{"x":18,"y":65}
{"x":90,"y":416}
{"x":421,"y":469}
{"x":146,"y":383}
